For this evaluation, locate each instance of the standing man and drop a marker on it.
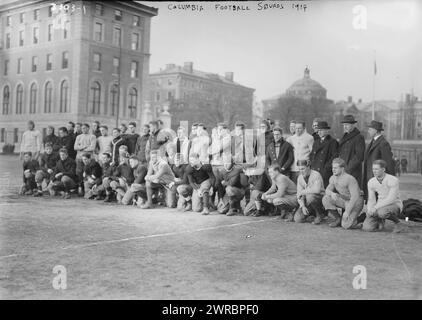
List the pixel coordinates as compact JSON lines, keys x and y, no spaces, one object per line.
{"x":292,"y":127}
{"x":182,"y":144}
{"x":31,"y":141}
{"x":403,"y":163}
{"x":352,"y":148}
{"x":343,"y":193}
{"x":315,"y":128}
{"x":280,"y":152}
{"x":378,"y":148}
{"x":116,"y":143}
{"x":52,"y":138}
{"x":71,"y":130}
{"x":141,"y":143}
{"x":84,"y":143}
{"x":302,"y":146}
{"x":131,"y":137}
{"x":310,"y":190}
{"x":104,"y":141}
{"x":324,"y":150}
{"x":96,"y":128}
{"x":383,"y":199}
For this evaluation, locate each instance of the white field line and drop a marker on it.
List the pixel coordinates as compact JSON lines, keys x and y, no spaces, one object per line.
{"x":167,"y":234}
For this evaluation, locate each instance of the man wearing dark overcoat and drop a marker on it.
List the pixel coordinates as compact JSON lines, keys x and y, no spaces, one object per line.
{"x":324,"y":150}
{"x":352,"y":148}
{"x":378,"y":148}
{"x":280,"y":152}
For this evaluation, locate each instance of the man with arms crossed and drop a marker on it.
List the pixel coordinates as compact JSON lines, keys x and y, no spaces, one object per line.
{"x":343,"y":192}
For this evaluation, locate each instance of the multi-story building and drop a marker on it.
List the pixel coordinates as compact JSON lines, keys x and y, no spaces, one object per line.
{"x":196,"y":96}
{"x":74,"y":61}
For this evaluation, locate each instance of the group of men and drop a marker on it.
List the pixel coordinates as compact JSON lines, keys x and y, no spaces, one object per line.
{"x":303,"y":177}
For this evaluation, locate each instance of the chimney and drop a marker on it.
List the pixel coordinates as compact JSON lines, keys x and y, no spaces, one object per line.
{"x":170,"y":66}
{"x":229,"y":76}
{"x":188,"y":66}
{"x":349,"y":99}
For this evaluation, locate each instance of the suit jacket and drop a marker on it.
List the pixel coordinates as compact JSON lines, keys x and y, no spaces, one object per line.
{"x":352,"y":150}
{"x":322,"y":154}
{"x":378,"y":149}
{"x":284,"y":158}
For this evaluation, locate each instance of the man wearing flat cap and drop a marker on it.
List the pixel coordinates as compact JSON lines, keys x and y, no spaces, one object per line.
{"x":378,"y":149}
{"x":324,"y":150}
{"x":352,"y":148}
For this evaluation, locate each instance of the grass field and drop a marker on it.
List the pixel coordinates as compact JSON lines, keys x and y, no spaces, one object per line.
{"x":113,"y":252}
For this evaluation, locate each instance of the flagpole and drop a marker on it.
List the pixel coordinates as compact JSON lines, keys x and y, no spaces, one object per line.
{"x":373,"y":88}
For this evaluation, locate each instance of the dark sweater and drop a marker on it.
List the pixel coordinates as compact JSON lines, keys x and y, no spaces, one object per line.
{"x":197,"y":176}
{"x":93,"y":170}
{"x":232,"y":177}
{"x":48,"y":161}
{"x":67,"y":167}
{"x":140,"y":147}
{"x":68,"y":142}
{"x":139,"y":173}
{"x":31,"y":165}
{"x":124,"y":170}
{"x":130,"y":141}
{"x":180,"y":172}
{"x":54,"y":140}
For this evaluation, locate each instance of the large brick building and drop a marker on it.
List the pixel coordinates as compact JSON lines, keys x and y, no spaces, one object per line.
{"x":72,"y":61}
{"x":196,"y":96}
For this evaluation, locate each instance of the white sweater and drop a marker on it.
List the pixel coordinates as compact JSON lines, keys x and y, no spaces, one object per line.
{"x":31,"y":141}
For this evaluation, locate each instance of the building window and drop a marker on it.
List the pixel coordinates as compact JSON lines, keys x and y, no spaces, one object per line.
{"x":169,"y":82}
{"x":117,"y":36}
{"x":36,"y":14}
{"x":3,"y":135}
{"x":49,"y":64}
{"x":99,"y":9}
{"x":50,"y":32}
{"x":20,"y":61}
{"x":157,"y":97}
{"x":114,"y":95}
{"x":133,"y":100}
{"x":7,"y":40}
{"x":117,"y":15}
{"x":21,"y":35}
{"x":135,"y":41}
{"x":136,"y":21}
{"x":34,"y":64}
{"x":35,"y":35}
{"x":134,"y":69}
{"x":33,"y":98}
{"x":19,"y":98}
{"x":95,"y":97}
{"x":48,"y":95}
{"x":15,"y":135}
{"x":97,"y":61}
{"x":6,"y":100}
{"x":50,"y":11}
{"x":169,"y":95}
{"x":116,"y":65}
{"x":98,"y":31}
{"x":65,"y":59}
{"x":6,"y":67}
{"x":66,"y":29}
{"x":22,"y":17}
{"x":8,"y":21}
{"x":64,"y":96}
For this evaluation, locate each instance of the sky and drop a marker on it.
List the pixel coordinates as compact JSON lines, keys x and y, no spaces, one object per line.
{"x":269,"y":49}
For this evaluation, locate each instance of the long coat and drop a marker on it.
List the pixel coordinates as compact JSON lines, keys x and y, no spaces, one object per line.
{"x":284,"y":158}
{"x":352,"y":150}
{"x":376,"y":150}
{"x":322,"y":154}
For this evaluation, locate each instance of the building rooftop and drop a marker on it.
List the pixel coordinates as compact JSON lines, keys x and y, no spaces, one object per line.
{"x":172,"y":68}
{"x":306,"y":83}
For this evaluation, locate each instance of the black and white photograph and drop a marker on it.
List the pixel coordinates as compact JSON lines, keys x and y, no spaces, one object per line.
{"x":227,"y":152}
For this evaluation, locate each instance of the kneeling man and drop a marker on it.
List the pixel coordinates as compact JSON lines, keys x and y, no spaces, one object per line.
{"x":310,"y":190}
{"x":343,"y":193}
{"x":383,"y":199}
{"x":282,"y":193}
{"x":64,"y":175}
